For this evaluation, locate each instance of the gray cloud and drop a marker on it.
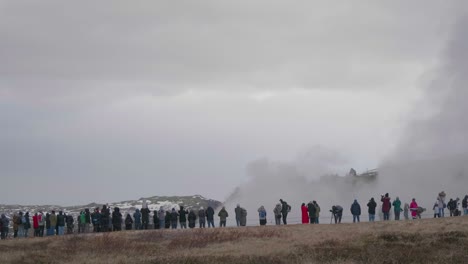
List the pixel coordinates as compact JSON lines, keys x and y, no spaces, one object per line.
{"x":83,"y":90}
{"x":53,"y":48}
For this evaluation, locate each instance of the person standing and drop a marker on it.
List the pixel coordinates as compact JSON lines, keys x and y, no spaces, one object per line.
{"x":183,"y":217}
{"x":201,"y":217}
{"x":162,"y":218}
{"x":117,"y":219}
{"x":223,"y":215}
{"x":243,"y":220}
{"x":21,"y":223}
{"x":414,"y":209}
{"x":285,"y":209}
{"x":237,"y":211}
{"x":174,"y":218}
{"x":192,"y":218}
{"x":277,"y":213}
{"x":88,"y":220}
{"x":145,"y":212}
{"x":42,"y":223}
{"x":371,"y":209}
{"x":262,"y":215}
{"x":356,"y":211}
{"x":386,"y":205}
{"x":465,"y":205}
{"x":317,"y":212}
{"x":210,"y":216}
{"x":81,"y":222}
{"x":452,"y":206}
{"x":96,"y":219}
{"x":27,"y":224}
{"x":304,"y":214}
{"x":137,"y":217}
{"x":36,"y":225}
{"x":406,"y":211}
{"x":397,"y":208}
{"x":5,"y":226}
{"x":155,"y":219}
{"x":60,"y":224}
{"x":435,"y":208}
{"x":441,"y":205}
{"x":70,"y":223}
{"x":312,"y":210}
{"x":128,"y":222}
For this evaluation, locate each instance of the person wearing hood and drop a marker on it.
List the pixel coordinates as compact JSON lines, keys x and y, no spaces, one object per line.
{"x":452,"y":206}
{"x":406,"y":211}
{"x":356,"y":211}
{"x":223,"y":215}
{"x":285,"y":209}
{"x":192,"y":218}
{"x":27,"y":224}
{"x":397,"y":208}
{"x":317,"y":212}
{"x":304,"y":214}
{"x":70,"y":223}
{"x":117,"y":219}
{"x":414,"y":209}
{"x":128,"y":222}
{"x":465,"y":205}
{"x":337,"y":212}
{"x":201,"y":217}
{"x":277,"y":213}
{"x":5,"y":226}
{"x":145,"y":212}
{"x":105,"y":217}
{"x":243,"y":215}
{"x":167,"y":220}
{"x":237,"y":211}
{"x":262,"y":215}
{"x":162,"y":217}
{"x":96,"y":219}
{"x":183,"y":217}
{"x":137,"y":217}
{"x":174,"y":218}
{"x":312,"y":210}
{"x":371,"y":205}
{"x":210,"y":216}
{"x":386,"y":205}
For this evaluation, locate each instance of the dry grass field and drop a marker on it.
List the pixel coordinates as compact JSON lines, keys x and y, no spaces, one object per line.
{"x":423,"y":241}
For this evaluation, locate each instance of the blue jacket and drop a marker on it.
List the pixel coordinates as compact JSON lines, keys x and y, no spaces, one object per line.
{"x":355,"y":208}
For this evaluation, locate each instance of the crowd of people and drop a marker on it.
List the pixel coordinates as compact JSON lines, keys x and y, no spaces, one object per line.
{"x":413,"y":208}
{"x":106,"y":220}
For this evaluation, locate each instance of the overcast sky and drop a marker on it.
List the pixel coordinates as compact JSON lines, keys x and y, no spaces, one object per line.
{"x":112,"y":100}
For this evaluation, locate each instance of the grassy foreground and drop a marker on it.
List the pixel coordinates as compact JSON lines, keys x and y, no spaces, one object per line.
{"x":423,"y":241}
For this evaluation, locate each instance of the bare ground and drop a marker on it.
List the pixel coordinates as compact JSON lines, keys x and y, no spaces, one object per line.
{"x":423,"y":241}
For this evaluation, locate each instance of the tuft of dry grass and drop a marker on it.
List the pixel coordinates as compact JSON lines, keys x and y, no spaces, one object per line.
{"x":424,"y":241}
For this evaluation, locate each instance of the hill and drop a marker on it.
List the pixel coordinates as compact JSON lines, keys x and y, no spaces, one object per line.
{"x":442,"y":240}
{"x":154,"y":202}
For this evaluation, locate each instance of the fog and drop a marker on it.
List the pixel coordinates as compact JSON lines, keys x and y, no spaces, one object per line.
{"x":431,"y":155}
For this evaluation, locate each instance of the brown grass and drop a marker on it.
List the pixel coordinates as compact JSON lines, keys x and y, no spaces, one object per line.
{"x":424,"y":241}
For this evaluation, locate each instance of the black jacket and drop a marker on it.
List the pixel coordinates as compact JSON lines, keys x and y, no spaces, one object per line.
{"x":312,"y":210}
{"x":60,"y":220}
{"x":372,"y":205}
{"x":210,"y":213}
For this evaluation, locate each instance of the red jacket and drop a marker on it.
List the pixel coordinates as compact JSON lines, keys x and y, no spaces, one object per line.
{"x":35,"y":221}
{"x":305,"y":215}
{"x":386,"y":205}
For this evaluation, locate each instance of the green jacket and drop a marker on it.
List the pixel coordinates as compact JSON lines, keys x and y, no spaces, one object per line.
{"x":223,"y":214}
{"x":397,"y":205}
